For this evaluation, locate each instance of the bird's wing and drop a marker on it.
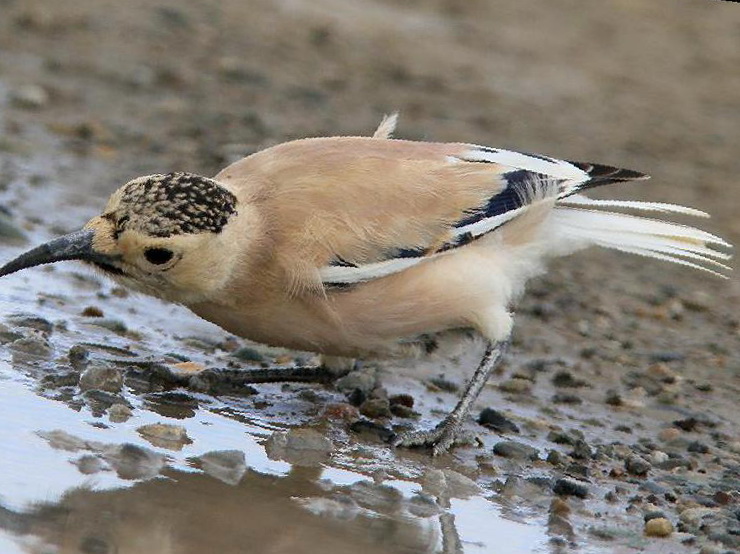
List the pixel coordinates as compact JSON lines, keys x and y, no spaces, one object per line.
{"x":353,"y":209}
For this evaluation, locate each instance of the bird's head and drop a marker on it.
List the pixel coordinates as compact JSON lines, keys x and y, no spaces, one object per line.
{"x":173,"y":236}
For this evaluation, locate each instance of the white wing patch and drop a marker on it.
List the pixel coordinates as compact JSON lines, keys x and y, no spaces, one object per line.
{"x":544,"y":165}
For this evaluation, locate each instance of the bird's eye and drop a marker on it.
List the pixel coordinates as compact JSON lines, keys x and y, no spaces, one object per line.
{"x":158,"y":256}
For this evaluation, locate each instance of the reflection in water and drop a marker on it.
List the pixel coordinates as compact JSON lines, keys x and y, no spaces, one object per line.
{"x":193,"y":513}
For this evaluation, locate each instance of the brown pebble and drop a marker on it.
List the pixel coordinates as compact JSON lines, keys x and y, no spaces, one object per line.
{"x":92,"y":311}
{"x":342,"y":411}
{"x":667,"y":435}
{"x":560,"y":507}
{"x":402,"y":399}
{"x":658,"y":527}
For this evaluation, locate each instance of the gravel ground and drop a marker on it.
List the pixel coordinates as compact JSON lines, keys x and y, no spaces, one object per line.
{"x":611,"y":427}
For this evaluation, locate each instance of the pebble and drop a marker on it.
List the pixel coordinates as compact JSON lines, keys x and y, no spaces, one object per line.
{"x":516,"y":385}
{"x":566,"y":379}
{"x":375,"y":408}
{"x":515,"y":450}
{"x":566,"y":398}
{"x":299,"y":446}
{"x":134,"y":462}
{"x":658,"y":457}
{"x":363,"y":381}
{"x":119,"y":413}
{"x":448,"y":483}
{"x":493,"y":419}
{"x":402,"y":400}
{"x":582,"y":451}
{"x":31,"y":322}
{"x":89,"y":464}
{"x":444,"y":384}
{"x":30,"y":97}
{"x":92,"y":311}
{"x":636,"y":465}
{"x":375,"y":496}
{"x":669,"y":434}
{"x":100,"y":377}
{"x":114,"y":325}
{"x":165,"y":435}
{"x":341,"y":410}
{"x":366,"y":429}
{"x":247,"y":354}
{"x":698,"y":447}
{"x":35,"y":345}
{"x":694,"y":516}
{"x":228,"y":466}
{"x":569,"y":487}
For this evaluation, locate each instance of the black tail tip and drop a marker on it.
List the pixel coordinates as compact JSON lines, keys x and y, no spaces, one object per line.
{"x":605,"y":174}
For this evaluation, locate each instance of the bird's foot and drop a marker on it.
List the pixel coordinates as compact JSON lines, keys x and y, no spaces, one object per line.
{"x":445,"y":435}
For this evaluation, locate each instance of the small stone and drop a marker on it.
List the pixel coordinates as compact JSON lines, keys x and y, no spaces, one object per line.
{"x":92,"y":311}
{"x":228,"y":466}
{"x":636,"y":465}
{"x":652,"y":514}
{"x":247,"y":354}
{"x":100,"y":377}
{"x":566,"y":398}
{"x":555,"y":458}
{"x":693,"y":516}
{"x":89,"y":464}
{"x":566,"y":379}
{"x":78,"y":356}
{"x":363,"y":381}
{"x":613,"y":398}
{"x":658,"y":457}
{"x":376,"y":408}
{"x":30,"y":97}
{"x":31,"y":322}
{"x":399,"y":410}
{"x":493,"y":419}
{"x":114,"y":325}
{"x":516,"y":385}
{"x":515,"y":450}
{"x":698,"y":447}
{"x":560,"y":507}
{"x":570,"y":437}
{"x":119,"y":413}
{"x":569,"y":487}
{"x":165,"y":435}
{"x":689,"y":424}
{"x":36,"y":346}
{"x":342,"y":411}
{"x":669,"y":434}
{"x":582,"y":451}
{"x":134,"y":462}
{"x":299,"y":446}
{"x":366,"y":428}
{"x":448,"y":483}
{"x":444,"y":384}
{"x":402,"y":400}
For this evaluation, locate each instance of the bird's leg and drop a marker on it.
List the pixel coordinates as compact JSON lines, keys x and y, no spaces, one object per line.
{"x":443,"y":436}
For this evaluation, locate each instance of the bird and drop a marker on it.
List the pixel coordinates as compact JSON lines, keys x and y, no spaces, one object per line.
{"x":363,"y":247}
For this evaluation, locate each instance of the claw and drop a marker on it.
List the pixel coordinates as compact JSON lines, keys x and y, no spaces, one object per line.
{"x":443,"y":437}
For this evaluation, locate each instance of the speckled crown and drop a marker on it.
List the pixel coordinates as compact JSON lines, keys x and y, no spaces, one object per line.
{"x":169,"y":204}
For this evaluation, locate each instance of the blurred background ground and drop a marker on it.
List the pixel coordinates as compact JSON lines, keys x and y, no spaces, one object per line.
{"x":96,"y":92}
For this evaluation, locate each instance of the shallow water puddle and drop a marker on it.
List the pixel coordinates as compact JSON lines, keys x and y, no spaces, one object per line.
{"x":336,"y":506}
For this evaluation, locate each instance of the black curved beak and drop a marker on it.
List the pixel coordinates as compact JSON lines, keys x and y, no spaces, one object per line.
{"x":74,"y":246}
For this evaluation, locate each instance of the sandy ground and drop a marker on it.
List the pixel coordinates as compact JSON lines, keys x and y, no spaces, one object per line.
{"x":614,"y":357}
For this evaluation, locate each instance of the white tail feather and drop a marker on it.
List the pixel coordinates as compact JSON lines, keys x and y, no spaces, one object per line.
{"x":638,"y":235}
{"x":581,"y":200}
